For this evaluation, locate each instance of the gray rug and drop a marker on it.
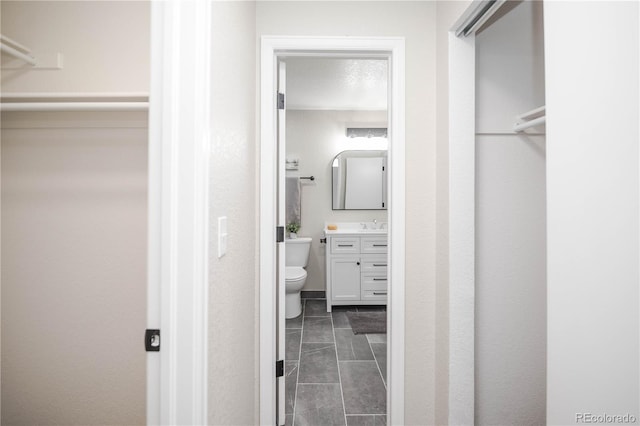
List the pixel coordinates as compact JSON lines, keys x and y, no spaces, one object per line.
{"x":368,"y":322}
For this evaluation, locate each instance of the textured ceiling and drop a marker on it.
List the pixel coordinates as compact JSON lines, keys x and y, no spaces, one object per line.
{"x":325,"y":83}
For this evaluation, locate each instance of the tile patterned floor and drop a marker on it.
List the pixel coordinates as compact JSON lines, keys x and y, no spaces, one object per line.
{"x":334,"y":377}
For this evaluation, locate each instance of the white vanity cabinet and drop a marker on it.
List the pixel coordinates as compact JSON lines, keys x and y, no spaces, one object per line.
{"x":356,"y":269}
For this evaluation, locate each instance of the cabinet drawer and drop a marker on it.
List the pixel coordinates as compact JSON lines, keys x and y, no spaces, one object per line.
{"x":374,"y":244}
{"x":345,"y":245}
{"x":375,"y":266}
{"x":374,"y":293}
{"x":377,"y":283}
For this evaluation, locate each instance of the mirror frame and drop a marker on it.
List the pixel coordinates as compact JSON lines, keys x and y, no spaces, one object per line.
{"x":373,"y":153}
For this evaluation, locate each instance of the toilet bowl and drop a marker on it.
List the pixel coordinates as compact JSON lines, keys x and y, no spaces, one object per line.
{"x":296,"y":258}
{"x":295,"y":277}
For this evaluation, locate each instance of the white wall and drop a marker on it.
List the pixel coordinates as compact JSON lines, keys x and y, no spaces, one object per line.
{"x":74,"y":221}
{"x":510,"y":319}
{"x":104,"y":44}
{"x":73,"y":271}
{"x":337,"y":83}
{"x":315,"y":138}
{"x":592,"y":174}
{"x":233,"y":291}
{"x":416,"y":22}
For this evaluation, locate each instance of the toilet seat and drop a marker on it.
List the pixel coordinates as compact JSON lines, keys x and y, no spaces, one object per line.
{"x":294,"y":273}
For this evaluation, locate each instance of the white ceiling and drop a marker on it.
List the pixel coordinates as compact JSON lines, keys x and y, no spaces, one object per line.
{"x":337,"y":84}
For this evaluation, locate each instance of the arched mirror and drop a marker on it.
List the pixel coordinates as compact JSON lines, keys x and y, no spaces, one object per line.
{"x":359,"y":180}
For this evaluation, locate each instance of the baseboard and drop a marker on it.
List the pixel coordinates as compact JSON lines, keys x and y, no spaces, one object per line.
{"x":316,"y":294}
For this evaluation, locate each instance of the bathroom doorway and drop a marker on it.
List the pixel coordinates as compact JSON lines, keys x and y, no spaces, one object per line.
{"x":322,"y":354}
{"x":336,"y":285}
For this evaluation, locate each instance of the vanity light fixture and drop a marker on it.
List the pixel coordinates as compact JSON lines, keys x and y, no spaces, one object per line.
{"x":367,"y":132}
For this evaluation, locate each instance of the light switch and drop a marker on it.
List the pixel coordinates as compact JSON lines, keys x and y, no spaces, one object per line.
{"x":222,"y":236}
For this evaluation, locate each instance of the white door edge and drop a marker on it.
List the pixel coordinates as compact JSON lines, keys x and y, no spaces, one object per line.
{"x":281,"y":126}
{"x":392,"y":47}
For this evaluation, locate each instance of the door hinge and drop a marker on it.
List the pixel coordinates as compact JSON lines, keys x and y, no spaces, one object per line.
{"x":280,"y":100}
{"x":382,"y":204}
{"x":152,"y":340}
{"x":279,"y":234}
{"x":279,"y":368}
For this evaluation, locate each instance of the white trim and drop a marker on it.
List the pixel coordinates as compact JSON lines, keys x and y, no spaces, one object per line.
{"x":281,"y":127}
{"x":461,"y":229}
{"x":394,"y":48}
{"x":179,"y":122}
{"x":268,"y":220}
{"x":396,"y":194}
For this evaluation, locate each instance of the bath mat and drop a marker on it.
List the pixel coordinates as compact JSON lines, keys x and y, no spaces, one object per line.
{"x":368,"y":322}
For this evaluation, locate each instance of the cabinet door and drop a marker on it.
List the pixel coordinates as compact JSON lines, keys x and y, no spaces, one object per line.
{"x":345,"y":278}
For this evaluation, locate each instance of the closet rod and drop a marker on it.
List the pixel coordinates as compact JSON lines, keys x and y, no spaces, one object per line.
{"x":524,"y":126}
{"x":532,"y":118}
{"x":73,"y":106}
{"x":11,"y":51}
{"x":534,"y":113}
{"x":11,"y":42}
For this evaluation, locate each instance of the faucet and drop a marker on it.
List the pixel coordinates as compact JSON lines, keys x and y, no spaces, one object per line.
{"x":374,"y":224}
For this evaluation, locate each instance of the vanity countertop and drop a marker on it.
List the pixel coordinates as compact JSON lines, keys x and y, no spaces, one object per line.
{"x":357,"y":228}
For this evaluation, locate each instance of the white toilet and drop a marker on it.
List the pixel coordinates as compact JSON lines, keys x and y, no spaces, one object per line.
{"x":296,"y":258}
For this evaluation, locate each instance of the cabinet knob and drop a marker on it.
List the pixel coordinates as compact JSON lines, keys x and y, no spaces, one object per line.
{"x":358,"y":263}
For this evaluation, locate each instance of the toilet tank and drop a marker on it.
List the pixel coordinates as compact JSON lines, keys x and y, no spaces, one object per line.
{"x":297,"y":251}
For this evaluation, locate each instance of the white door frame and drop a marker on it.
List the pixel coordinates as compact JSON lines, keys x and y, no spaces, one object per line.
{"x":462,"y":182}
{"x":462,"y":60}
{"x":392,"y":47}
{"x":178,"y":211}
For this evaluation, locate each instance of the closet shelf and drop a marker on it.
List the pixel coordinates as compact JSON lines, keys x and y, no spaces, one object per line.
{"x":532,"y":118}
{"x":22,"y":102}
{"x":72,"y":96}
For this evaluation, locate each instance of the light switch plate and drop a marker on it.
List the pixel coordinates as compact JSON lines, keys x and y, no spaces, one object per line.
{"x":222,"y":236}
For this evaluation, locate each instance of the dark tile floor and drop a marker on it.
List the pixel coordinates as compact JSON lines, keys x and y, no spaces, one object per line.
{"x":333,"y":376}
